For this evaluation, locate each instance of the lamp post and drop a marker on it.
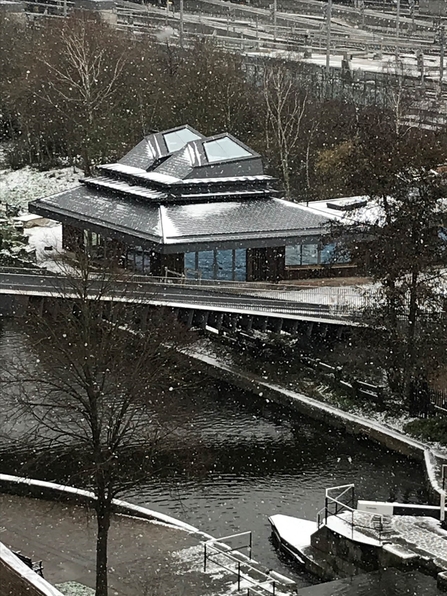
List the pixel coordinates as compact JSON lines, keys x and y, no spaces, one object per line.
{"x":441,"y":56}
{"x":397,"y":28}
{"x":274,"y":7}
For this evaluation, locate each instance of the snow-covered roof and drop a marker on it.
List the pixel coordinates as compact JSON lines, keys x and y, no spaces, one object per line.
{"x":159,"y":145}
{"x":140,"y":173}
{"x":178,"y":227}
{"x":357,"y":209}
{"x":211,"y":193}
{"x":224,"y":179}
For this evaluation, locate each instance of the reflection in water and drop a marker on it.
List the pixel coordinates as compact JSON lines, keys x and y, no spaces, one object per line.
{"x":260,"y":460}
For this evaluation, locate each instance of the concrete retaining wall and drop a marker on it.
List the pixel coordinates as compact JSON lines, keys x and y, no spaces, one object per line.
{"x":345,"y":557}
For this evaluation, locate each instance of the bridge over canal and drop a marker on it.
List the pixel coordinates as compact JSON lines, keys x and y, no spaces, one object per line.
{"x":201,"y":303}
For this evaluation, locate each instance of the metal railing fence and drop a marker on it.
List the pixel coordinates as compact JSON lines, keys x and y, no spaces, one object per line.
{"x":220,"y":552}
{"x":336,"y":506}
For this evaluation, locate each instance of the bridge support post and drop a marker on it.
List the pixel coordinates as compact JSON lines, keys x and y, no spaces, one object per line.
{"x":38,"y":305}
{"x":205,"y":317}
{"x":294,"y":328}
{"x":215,"y":320}
{"x":20,"y":305}
{"x":190,"y":318}
{"x":248,"y":323}
{"x":278,"y":326}
{"x":219,"y":321}
{"x":340,"y":333}
{"x":144,"y":318}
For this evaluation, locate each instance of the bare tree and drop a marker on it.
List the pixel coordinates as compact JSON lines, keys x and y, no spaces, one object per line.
{"x":285,"y":109}
{"x":208,"y":89}
{"x":101,"y":368}
{"x":82,"y":66}
{"x":400,"y":96}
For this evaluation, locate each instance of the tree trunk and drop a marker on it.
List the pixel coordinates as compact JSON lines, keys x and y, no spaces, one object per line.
{"x":103,"y":521}
{"x":411,"y":336}
{"x":86,"y":161}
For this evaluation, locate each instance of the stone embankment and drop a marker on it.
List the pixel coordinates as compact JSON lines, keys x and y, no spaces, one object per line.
{"x":351,"y":423}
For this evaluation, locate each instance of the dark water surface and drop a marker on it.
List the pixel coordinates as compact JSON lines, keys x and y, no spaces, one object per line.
{"x":261,"y":461}
{"x":268,"y":461}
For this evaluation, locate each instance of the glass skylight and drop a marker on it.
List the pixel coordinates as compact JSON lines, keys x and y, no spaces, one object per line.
{"x":223,"y":149}
{"x":179,"y":138}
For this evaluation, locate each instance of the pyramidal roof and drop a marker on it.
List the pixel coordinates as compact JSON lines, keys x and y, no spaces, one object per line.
{"x":178,"y":191}
{"x":157,"y":146}
{"x":185,"y":153}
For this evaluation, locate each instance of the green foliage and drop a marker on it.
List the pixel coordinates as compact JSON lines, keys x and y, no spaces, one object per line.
{"x":428,"y":429}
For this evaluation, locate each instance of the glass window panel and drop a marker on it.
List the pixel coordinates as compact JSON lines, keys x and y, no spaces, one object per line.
{"x":225,"y":264}
{"x":219,"y":268}
{"x":240,"y":265}
{"x":309,"y":254}
{"x":206,"y":260}
{"x":179,"y":138}
{"x":190,"y":265}
{"x":223,"y":149}
{"x":327,"y":254}
{"x":293,"y":255}
{"x":138,"y":260}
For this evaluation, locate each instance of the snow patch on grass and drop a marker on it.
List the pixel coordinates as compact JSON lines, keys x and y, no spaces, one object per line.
{"x":47,"y":242}
{"x":75,"y":589}
{"x":192,"y":557}
{"x":18,"y":187}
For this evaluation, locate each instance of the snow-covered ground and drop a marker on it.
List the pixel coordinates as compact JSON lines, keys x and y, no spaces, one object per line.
{"x":47,"y":242}
{"x":18,"y":187}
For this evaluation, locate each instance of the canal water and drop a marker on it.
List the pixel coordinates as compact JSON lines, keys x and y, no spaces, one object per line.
{"x":260,"y":460}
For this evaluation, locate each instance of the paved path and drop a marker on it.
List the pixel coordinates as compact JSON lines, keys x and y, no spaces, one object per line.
{"x":422,"y":534}
{"x":145,"y":558}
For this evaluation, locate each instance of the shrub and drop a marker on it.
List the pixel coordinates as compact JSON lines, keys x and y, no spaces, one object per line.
{"x":428,"y":429}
